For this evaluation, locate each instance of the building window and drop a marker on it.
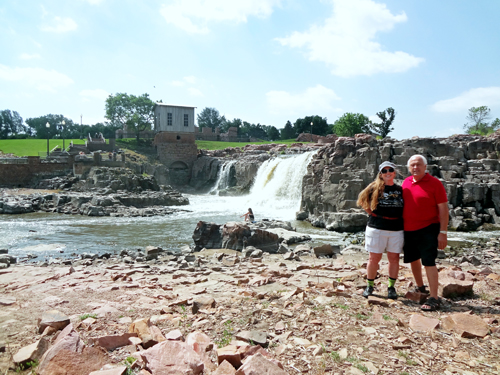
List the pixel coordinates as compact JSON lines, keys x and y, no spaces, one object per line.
{"x":169,"y":119}
{"x":186,"y":122}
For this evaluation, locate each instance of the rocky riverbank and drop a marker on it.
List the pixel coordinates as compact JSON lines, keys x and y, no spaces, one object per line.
{"x":222,"y":311}
{"x":104,"y":192}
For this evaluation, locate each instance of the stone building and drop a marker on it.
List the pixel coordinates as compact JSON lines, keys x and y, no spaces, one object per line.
{"x":175,"y":140}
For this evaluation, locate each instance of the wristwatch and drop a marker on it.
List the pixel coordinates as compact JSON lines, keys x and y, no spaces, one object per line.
{"x":443,"y":231}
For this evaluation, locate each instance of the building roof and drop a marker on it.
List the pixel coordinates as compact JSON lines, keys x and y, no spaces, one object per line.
{"x":174,"y":105}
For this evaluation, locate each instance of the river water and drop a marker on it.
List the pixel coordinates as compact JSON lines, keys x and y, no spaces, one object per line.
{"x":276,"y":194}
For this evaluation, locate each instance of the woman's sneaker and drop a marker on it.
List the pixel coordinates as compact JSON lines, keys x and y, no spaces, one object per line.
{"x":368,"y":291}
{"x":391,"y":293}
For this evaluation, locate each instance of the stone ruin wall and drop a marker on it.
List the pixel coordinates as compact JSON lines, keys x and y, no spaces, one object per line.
{"x":468,"y":166}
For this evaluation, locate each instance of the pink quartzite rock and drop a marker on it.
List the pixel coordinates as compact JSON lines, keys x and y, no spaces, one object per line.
{"x":172,"y":358}
{"x":465,"y":325}
{"x":52,"y":318}
{"x":225,"y":368}
{"x":416,"y":296}
{"x":421,"y":323}
{"x":31,"y":352}
{"x":114,"y":371}
{"x":69,"y":355}
{"x":454,"y":283}
{"x":113,"y":342}
{"x":202,"y":303}
{"x":199,"y":342}
{"x":174,"y":335}
{"x":229,"y":353}
{"x":258,"y":365}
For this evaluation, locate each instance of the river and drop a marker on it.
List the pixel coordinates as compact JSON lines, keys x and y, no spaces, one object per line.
{"x":275,"y":194}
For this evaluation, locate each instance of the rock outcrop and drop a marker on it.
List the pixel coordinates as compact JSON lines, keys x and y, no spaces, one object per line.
{"x":265,"y":235}
{"x":467,"y":165}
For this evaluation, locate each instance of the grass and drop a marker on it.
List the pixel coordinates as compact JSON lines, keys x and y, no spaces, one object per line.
{"x":340,"y":305}
{"x":31,"y":147}
{"x":85,"y":316}
{"x":227,"y":335}
{"x":216,"y":145}
{"x":409,"y":361}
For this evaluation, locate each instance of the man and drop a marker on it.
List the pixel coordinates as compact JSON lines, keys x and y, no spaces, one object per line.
{"x":426,"y":218}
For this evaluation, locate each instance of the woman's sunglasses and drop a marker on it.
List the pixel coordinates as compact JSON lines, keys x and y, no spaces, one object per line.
{"x":384,"y":171}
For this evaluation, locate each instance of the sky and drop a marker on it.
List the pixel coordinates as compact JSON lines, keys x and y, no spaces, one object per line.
{"x":262,"y":61}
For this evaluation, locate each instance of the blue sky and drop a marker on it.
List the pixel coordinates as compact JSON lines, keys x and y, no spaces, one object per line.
{"x":264,"y":61}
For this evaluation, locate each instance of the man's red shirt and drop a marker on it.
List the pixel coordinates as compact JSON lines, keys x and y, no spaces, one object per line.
{"x":421,"y":201}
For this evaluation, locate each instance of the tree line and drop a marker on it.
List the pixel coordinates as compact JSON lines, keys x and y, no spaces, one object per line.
{"x":136,"y":114}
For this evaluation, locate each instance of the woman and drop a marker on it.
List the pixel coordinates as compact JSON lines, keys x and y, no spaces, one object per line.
{"x":383,"y":201}
{"x":249,"y":216}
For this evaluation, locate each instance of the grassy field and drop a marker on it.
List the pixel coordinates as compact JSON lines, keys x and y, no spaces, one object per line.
{"x":32,"y":147}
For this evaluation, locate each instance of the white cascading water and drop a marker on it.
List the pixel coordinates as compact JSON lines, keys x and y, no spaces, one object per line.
{"x":223,"y":177}
{"x":277,"y":189}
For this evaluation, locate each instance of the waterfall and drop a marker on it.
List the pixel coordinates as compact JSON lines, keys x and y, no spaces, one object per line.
{"x":223,"y":177}
{"x":277,"y":188}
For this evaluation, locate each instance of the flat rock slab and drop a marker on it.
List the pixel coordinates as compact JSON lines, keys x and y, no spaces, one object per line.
{"x":172,"y":357}
{"x":54,"y":319}
{"x":259,"y":365}
{"x":31,"y":352}
{"x":114,"y":371}
{"x":420,"y":323}
{"x":114,"y":341}
{"x":7,"y":301}
{"x":466,"y":325}
{"x":257,"y":337}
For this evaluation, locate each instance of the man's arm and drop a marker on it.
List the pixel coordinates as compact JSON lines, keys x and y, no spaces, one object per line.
{"x":444,"y":216}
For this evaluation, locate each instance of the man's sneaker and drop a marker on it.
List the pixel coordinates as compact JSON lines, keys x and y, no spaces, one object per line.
{"x":368,"y":291}
{"x":391,"y":293}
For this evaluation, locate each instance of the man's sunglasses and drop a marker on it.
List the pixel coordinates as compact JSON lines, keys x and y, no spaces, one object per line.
{"x":384,"y":171}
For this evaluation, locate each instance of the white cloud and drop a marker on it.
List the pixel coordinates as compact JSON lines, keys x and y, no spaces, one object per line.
{"x":489,"y":96}
{"x":60,"y":25}
{"x":178,"y":83}
{"x":27,"y":56}
{"x":314,"y":99}
{"x":94,"y":2}
{"x":345,"y":42}
{"x":99,"y":94}
{"x":190,"y":79}
{"x":195,"y":92}
{"x":194,"y":16}
{"x":37,"y":78}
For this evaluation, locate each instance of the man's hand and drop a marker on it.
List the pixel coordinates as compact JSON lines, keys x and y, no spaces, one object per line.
{"x":442,"y":241}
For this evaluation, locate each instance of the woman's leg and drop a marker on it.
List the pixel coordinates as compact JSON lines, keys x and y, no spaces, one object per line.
{"x":393,"y":265}
{"x":372,"y":267}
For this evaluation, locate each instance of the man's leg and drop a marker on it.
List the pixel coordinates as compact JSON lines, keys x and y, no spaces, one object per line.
{"x":432,"y":277}
{"x":416,"y":269}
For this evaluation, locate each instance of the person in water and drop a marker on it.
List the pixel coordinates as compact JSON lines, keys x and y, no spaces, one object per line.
{"x":249,"y":216}
{"x":383,"y":201}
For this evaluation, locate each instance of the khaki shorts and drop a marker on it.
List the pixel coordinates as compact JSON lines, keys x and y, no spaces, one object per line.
{"x":378,"y":240}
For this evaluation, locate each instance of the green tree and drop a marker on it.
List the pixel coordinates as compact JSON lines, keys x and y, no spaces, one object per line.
{"x":210,"y":118}
{"x":387,"y":118}
{"x":271,"y":132}
{"x":477,"y":121}
{"x":288,"y":132}
{"x":235,"y":123}
{"x":136,"y":113}
{"x":38,"y":126}
{"x":303,"y":125}
{"x":350,"y":124}
{"x":11,"y":124}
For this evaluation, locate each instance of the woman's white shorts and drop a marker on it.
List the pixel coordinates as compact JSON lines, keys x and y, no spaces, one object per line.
{"x":378,"y":240}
